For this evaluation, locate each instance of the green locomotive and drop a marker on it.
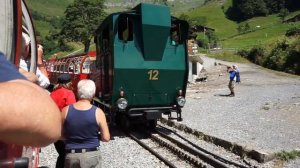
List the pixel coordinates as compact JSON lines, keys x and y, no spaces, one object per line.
{"x":141,"y":66}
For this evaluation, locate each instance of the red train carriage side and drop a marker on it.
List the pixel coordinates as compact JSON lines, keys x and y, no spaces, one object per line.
{"x":12,"y":14}
{"x":78,"y":66}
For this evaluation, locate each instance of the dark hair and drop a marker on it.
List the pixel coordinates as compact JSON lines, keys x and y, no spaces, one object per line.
{"x":64,"y":78}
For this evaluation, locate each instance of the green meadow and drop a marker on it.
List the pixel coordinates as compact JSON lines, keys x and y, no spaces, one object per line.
{"x":263,"y":30}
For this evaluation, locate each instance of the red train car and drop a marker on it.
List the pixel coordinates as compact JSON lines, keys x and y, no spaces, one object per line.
{"x":13,"y":16}
{"x":78,"y":66}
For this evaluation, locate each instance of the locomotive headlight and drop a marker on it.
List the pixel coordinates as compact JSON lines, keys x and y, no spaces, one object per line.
{"x":122,"y":103}
{"x":181,"y":101}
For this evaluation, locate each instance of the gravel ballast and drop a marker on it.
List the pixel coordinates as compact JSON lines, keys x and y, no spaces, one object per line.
{"x":263,"y":116}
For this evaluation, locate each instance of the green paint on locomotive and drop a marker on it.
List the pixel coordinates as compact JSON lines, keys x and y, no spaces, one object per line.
{"x":146,"y":63}
{"x":156,"y":22}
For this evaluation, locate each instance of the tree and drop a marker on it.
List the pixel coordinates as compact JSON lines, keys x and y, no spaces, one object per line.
{"x":243,"y":28}
{"x":194,"y":22}
{"x":283,"y":13}
{"x":292,"y":5}
{"x":274,"y":6}
{"x":81,"y":20}
{"x":185,"y":17}
{"x":245,"y":9}
{"x":247,"y":27}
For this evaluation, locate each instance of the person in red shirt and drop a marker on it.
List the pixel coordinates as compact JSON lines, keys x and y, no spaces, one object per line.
{"x":62,"y":93}
{"x":63,"y":96}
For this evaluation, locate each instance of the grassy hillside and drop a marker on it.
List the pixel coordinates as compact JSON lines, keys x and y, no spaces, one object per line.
{"x":263,"y":30}
{"x":49,"y":7}
{"x":216,"y":19}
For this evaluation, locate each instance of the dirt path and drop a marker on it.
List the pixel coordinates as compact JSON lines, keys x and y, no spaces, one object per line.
{"x":264,"y":114}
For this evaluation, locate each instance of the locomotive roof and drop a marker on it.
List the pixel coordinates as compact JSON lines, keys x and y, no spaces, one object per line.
{"x":134,"y":11}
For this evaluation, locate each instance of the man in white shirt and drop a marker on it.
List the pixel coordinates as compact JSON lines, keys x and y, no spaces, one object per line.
{"x":42,"y":80}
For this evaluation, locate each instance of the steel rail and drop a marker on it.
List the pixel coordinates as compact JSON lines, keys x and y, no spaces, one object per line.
{"x":183,"y":155}
{"x":210,"y":153}
{"x":168,"y":163}
{"x":205,"y":157}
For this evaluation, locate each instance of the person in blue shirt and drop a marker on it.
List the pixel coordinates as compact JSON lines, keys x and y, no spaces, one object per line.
{"x":234,"y":76}
{"x":82,"y":123}
{"x":28,"y":116}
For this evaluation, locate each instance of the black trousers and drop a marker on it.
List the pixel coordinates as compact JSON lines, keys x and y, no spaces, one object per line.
{"x":60,"y":148}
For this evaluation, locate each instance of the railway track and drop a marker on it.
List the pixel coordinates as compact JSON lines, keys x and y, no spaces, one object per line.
{"x":187,"y":152}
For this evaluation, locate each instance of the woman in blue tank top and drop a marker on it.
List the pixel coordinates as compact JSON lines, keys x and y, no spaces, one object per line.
{"x":81,"y":126}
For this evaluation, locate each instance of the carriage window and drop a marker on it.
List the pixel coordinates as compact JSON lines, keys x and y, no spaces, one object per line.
{"x":125,"y":29}
{"x":175,"y":34}
{"x":57,"y":65}
{"x":86,"y":66}
{"x":77,"y":68}
{"x":105,"y":39}
{"x":51,"y":67}
{"x":93,"y":66}
{"x":98,"y":53}
{"x":63,"y":67}
{"x":71,"y":68}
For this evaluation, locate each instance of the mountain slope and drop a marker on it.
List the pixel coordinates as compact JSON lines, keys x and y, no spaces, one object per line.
{"x":263,"y":30}
{"x":49,"y":7}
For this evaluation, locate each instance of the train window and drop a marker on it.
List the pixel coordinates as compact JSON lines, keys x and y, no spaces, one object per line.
{"x":93,"y":66}
{"x":175,"y":34}
{"x":125,"y":29}
{"x":105,"y":39}
{"x":71,"y":68}
{"x":98,"y":53}
{"x":77,"y":68}
{"x":86,"y":66}
{"x":86,"y":69}
{"x":63,"y":67}
{"x":98,"y":42}
{"x":51,"y":67}
{"x":54,"y":68}
{"x":105,"y":45}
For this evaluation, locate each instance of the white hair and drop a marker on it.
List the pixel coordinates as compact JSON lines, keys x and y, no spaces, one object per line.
{"x":25,"y":45}
{"x":26,"y":38}
{"x":86,"y":89}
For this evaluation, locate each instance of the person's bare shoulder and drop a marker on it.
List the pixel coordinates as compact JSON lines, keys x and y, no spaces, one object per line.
{"x":28,"y":114}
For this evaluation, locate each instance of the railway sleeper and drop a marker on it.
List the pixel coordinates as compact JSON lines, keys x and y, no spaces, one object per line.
{"x":179,"y":152}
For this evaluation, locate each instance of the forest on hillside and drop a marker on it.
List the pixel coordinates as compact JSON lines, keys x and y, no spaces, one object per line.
{"x":245,"y":9}
{"x":285,"y":54}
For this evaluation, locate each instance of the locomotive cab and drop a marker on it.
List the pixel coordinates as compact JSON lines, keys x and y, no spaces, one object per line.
{"x":142,"y":68}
